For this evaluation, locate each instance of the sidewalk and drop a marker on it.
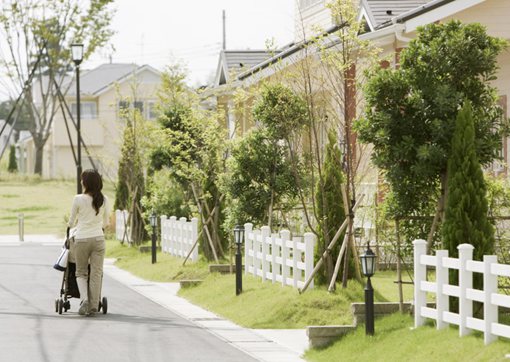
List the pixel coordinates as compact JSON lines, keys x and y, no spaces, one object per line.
{"x":267,"y":345}
{"x":33,"y":238}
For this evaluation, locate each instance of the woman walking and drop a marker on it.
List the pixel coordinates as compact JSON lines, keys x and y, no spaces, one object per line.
{"x":90,"y":215}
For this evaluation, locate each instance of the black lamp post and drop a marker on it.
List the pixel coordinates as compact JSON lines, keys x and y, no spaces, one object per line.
{"x":239,"y":238}
{"x":77,"y":53}
{"x":154,"y":223}
{"x":368,"y":268}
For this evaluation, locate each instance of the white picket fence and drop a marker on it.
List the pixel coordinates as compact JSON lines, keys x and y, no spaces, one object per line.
{"x":179,"y":236}
{"x":278,"y":257}
{"x":489,"y":296}
{"x":121,"y":219}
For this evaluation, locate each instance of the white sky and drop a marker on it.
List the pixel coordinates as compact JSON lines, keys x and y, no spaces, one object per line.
{"x":158,"y":32}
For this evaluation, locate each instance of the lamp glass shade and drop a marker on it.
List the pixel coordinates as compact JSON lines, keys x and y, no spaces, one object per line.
{"x":368,"y":263}
{"x":239,"y":234}
{"x":77,"y":52}
{"x":153,"y":219}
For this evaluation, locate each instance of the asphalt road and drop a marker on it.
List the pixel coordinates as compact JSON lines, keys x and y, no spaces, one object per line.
{"x":135,"y":328}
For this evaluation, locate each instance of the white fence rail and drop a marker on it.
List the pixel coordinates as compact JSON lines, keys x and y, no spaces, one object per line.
{"x":278,"y":257}
{"x":179,"y":236}
{"x":121,"y":223}
{"x":489,"y":296}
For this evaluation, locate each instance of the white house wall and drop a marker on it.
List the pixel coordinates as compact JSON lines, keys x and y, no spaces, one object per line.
{"x":308,"y":20}
{"x":103,"y":135}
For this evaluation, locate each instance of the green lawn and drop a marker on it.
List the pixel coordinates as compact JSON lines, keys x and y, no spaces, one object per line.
{"x":270,"y":305}
{"x":396,"y":340}
{"x":45,"y":204}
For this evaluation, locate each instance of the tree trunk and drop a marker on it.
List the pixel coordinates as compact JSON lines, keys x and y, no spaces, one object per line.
{"x":439,"y":213}
{"x":39,"y":152}
{"x":399,"y":270}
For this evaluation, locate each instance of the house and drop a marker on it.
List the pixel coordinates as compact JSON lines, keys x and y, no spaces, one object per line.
{"x":390,"y":25}
{"x":104,"y":91}
{"x":6,"y":137}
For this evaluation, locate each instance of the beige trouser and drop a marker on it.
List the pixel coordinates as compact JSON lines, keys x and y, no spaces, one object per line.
{"x":90,"y":250}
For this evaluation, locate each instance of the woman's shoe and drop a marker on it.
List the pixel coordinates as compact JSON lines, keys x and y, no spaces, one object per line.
{"x":84,"y":308}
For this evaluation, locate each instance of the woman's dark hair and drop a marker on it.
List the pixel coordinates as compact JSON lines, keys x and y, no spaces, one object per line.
{"x":93,"y":184}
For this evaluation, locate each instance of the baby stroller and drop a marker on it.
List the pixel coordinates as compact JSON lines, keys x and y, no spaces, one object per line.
{"x":69,"y":287}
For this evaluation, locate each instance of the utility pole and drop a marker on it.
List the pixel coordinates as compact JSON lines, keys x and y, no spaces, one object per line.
{"x":224,"y":46}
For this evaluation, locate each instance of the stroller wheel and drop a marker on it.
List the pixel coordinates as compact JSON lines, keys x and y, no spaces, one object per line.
{"x":67,"y":305}
{"x":60,"y":306}
{"x":104,"y":305}
{"x":56,"y":305}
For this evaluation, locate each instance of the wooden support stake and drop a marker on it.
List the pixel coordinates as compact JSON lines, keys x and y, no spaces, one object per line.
{"x":328,"y":249}
{"x":204,"y":225}
{"x":337,"y":265}
{"x":198,"y":238}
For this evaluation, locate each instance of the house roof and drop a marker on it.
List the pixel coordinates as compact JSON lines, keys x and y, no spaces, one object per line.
{"x":96,"y":80}
{"x":381,"y":12}
{"x":237,"y":60}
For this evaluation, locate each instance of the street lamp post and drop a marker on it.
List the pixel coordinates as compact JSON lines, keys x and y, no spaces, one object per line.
{"x":239,"y":237}
{"x":368,"y":267}
{"x":77,"y":54}
{"x":154,"y":224}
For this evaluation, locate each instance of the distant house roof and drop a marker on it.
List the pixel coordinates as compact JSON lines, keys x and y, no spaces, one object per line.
{"x":96,"y":80}
{"x":381,"y":12}
{"x":236,"y":61}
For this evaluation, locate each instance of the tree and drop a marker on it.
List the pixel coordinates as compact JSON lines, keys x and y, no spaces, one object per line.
{"x":330,"y":206}
{"x":283,"y":115}
{"x":22,"y":121}
{"x":13,"y":166}
{"x":130,"y":181}
{"x":410,"y":112}
{"x":466,"y":203}
{"x":189,"y":145}
{"x":37,"y":36}
{"x":259,"y":180}
{"x":328,"y":74}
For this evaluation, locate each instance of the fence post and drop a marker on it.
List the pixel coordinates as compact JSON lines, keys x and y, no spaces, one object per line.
{"x":295,"y":254}
{"x":21,"y":227}
{"x":194,"y":236}
{"x":273,"y":257}
{"x":182,"y":239}
{"x":164,"y":235}
{"x":309,"y":248}
{"x":117,"y":225}
{"x":265,"y":233}
{"x":442,"y":301}
{"x":285,"y":255}
{"x":465,"y":283}
{"x":248,"y":245}
{"x":490,"y":286}
{"x":420,"y":274}
{"x":173,"y":234}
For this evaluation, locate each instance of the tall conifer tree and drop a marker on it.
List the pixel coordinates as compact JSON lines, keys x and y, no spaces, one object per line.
{"x":466,"y":205}
{"x":330,"y":207}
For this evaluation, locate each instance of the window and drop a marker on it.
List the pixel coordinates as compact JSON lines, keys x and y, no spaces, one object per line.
{"x":138,"y":105}
{"x":151,"y":110}
{"x":146,"y":108}
{"x":123,"y":105}
{"x":307,"y":3}
{"x":88,"y":110}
